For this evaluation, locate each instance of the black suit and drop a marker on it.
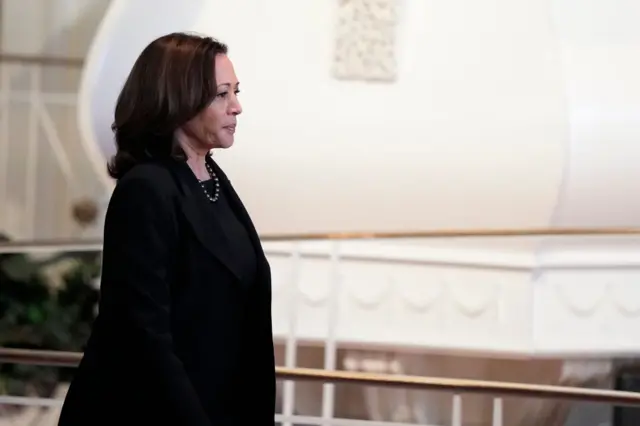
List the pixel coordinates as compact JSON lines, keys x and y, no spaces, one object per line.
{"x":183,"y":336}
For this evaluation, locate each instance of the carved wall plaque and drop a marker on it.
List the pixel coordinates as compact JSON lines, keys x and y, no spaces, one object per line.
{"x":365,"y":40}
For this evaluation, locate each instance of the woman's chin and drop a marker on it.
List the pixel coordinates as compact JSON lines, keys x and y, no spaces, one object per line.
{"x":222,"y":144}
{"x":225,"y":143}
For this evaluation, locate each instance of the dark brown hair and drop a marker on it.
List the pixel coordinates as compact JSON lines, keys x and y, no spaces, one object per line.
{"x":172,"y":81}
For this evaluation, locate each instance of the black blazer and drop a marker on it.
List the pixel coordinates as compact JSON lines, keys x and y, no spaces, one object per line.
{"x":179,"y":339}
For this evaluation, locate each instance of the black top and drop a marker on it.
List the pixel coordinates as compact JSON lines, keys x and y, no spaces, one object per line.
{"x":240,"y":245}
{"x":184,"y":334}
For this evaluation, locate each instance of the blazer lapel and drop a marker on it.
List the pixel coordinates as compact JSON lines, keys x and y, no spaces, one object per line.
{"x":238,"y":207}
{"x":264,"y":270}
{"x":205,"y":225}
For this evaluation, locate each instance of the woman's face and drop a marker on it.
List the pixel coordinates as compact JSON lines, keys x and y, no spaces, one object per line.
{"x":215,"y":126}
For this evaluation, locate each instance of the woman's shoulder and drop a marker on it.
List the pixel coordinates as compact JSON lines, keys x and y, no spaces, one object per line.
{"x":145,"y":196}
{"x":147,"y":179}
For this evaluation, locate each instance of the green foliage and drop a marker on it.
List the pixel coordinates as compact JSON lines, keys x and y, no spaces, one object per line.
{"x":36,"y":314}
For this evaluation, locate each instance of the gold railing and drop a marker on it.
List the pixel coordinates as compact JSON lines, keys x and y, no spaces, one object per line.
{"x":74,"y":244}
{"x":458,"y":386}
{"x":455,"y":233}
{"x":435,"y":233}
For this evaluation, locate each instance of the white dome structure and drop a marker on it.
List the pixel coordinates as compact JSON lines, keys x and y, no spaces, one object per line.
{"x":502,"y":114}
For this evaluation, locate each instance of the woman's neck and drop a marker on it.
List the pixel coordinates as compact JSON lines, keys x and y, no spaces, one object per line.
{"x":198,"y":166}
{"x":196,"y":158}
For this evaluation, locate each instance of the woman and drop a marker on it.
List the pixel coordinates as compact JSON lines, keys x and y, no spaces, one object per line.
{"x":183,"y":336}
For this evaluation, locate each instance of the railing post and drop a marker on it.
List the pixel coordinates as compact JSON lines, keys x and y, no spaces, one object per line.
{"x":330,"y":347}
{"x":288,"y":394}
{"x":496,"y":419}
{"x":456,"y":410}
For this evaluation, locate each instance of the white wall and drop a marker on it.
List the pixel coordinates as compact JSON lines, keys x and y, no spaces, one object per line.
{"x":601,"y":65}
{"x":474,"y":132}
{"x":504,"y":114}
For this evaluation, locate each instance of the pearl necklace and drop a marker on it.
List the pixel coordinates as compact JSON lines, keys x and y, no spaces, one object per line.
{"x":216,"y":188}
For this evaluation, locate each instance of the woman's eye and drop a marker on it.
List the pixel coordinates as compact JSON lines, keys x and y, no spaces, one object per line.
{"x":222,"y":95}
